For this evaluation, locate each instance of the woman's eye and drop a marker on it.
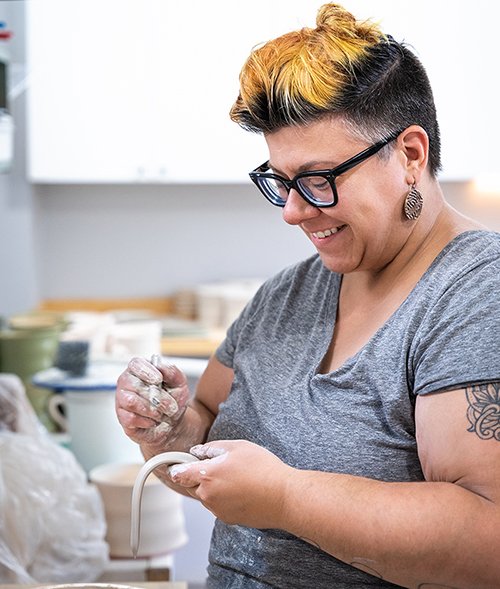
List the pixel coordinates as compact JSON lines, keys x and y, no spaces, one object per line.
{"x":315,"y":184}
{"x":320,"y":184}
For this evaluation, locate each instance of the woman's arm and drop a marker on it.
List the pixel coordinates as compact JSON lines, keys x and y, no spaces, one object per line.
{"x":444,"y":532}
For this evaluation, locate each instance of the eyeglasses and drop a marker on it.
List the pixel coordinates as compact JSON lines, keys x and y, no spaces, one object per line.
{"x":317,"y":187}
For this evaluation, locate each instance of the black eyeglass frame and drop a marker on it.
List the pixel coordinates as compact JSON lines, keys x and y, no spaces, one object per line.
{"x":329,"y":175}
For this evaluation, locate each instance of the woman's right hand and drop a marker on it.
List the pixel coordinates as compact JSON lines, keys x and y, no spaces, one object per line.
{"x":151,"y":401}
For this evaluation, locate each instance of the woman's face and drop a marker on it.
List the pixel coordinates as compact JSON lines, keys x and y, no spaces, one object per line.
{"x":365,"y":230}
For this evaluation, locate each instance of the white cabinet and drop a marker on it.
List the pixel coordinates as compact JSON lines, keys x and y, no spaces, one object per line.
{"x":86,"y":115}
{"x":139,"y":90}
{"x":458,"y":48}
{"x":130,"y":91}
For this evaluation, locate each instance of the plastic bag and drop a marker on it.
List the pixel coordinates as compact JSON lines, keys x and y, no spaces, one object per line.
{"x":16,"y":412}
{"x":52,"y":522}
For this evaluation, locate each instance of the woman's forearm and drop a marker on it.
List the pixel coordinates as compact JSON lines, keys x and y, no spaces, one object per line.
{"x":419,"y":535}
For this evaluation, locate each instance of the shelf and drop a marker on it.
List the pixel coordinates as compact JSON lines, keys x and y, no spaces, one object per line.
{"x":191,"y":347}
{"x":158,"y":569}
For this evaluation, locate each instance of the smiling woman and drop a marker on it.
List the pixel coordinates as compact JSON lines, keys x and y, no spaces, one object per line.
{"x":346,"y":427}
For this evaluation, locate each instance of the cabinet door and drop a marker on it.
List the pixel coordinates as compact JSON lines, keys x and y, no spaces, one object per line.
{"x":130,"y":91}
{"x":86,"y":114}
{"x":195,"y":86}
{"x":200,"y":49}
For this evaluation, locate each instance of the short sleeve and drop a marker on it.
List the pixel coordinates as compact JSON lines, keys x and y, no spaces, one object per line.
{"x":457,"y":342}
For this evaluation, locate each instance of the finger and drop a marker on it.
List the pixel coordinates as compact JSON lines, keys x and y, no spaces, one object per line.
{"x":145,"y":371}
{"x":210,"y":450}
{"x":188,"y":474}
{"x":173,"y":377}
{"x":192,"y":491}
{"x":161,"y":402}
{"x":135,"y":403}
{"x":159,"y":433}
{"x":167,"y":404}
{"x":152,"y":435}
{"x":150,"y":392}
{"x":131,"y":422}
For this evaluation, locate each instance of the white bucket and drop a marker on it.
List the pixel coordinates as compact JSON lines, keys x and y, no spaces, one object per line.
{"x":95,"y":432}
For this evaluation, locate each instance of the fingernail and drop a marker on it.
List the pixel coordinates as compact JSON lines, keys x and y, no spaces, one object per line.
{"x":144,"y":371}
{"x":197,"y":451}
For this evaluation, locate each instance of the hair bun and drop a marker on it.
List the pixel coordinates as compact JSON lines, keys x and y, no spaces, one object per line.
{"x":342,"y":24}
{"x":335,"y":17}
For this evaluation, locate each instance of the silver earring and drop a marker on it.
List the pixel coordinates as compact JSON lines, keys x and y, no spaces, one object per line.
{"x":413,"y":204}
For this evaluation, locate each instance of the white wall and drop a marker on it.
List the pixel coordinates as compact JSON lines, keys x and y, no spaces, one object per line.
{"x":18,"y":277}
{"x":126,"y":241}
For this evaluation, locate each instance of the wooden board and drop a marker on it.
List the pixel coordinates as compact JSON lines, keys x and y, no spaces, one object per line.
{"x":156,"y":305}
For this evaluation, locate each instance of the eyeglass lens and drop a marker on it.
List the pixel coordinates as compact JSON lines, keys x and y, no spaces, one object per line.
{"x":315,"y":188}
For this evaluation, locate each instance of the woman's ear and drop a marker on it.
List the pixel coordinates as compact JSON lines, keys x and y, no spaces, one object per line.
{"x":414,"y":143}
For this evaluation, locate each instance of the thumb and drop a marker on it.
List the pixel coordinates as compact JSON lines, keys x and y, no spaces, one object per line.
{"x":173,"y":377}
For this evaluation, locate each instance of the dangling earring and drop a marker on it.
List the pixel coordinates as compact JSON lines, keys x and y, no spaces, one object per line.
{"x":413,"y":204}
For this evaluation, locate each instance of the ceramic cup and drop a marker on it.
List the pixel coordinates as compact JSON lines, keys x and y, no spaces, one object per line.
{"x":134,"y":338}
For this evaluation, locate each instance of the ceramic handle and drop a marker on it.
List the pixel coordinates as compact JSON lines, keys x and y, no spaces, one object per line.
{"x":164,"y":459}
{"x":56,"y":404}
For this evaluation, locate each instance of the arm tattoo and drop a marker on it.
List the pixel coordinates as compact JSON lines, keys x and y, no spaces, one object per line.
{"x":483,"y":412}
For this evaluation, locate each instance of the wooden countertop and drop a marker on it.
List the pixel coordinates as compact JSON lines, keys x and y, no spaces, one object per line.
{"x":194,"y":347}
{"x":158,"y":305}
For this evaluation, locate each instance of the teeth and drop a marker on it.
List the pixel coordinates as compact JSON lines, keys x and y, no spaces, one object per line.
{"x":326,"y":232}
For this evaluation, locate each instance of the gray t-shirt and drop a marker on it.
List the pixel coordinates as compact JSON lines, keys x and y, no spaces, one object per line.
{"x":358,"y":419}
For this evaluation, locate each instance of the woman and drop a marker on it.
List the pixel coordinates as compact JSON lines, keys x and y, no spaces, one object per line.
{"x":353,"y":411}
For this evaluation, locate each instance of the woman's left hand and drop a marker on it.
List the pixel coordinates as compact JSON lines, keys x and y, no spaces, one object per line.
{"x":238,"y":481}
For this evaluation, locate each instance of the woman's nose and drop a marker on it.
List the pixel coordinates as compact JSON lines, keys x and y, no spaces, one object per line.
{"x":297,"y":209}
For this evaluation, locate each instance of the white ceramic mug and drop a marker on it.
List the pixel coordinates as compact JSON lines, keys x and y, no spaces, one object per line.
{"x":96,"y":435}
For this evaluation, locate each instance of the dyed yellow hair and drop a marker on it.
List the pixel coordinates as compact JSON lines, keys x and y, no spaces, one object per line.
{"x":302,"y":71}
{"x":343,"y":68}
